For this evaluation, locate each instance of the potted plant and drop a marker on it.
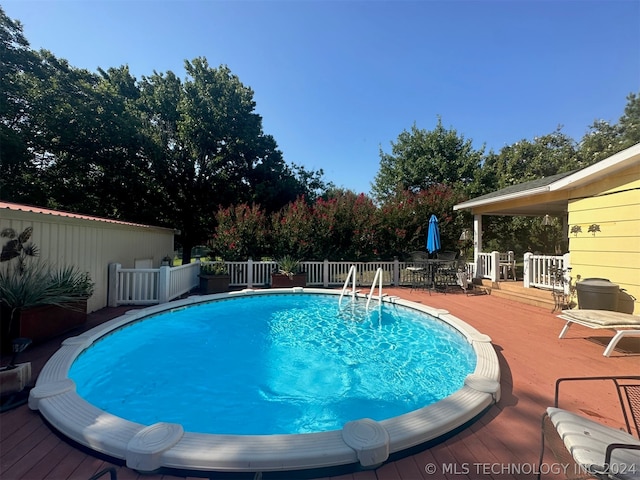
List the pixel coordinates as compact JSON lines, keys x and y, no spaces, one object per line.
{"x":37,"y":300}
{"x":288,"y":274}
{"x":214,"y":278}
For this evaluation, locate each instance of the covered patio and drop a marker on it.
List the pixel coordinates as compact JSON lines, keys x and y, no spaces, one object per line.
{"x":597,"y":207}
{"x":502,"y":444}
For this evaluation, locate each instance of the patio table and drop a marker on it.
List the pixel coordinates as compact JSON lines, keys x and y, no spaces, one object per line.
{"x":423,"y":274}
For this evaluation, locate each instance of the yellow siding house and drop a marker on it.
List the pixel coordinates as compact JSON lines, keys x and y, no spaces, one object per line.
{"x":600,"y":209}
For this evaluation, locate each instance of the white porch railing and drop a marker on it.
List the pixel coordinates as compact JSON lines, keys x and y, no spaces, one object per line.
{"x":129,"y":286}
{"x":490,"y":265}
{"x":539,"y":269}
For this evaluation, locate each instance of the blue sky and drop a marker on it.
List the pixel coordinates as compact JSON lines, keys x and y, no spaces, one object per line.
{"x":336,"y":81}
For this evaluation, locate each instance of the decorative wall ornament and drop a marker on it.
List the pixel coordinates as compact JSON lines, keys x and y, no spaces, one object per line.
{"x":593,"y":228}
{"x":576,"y":229}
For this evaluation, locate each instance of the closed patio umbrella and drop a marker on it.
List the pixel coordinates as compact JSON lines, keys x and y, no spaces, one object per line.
{"x":433,"y":235}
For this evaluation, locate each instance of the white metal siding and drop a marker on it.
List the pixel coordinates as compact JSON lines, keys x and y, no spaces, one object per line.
{"x":90,"y":245}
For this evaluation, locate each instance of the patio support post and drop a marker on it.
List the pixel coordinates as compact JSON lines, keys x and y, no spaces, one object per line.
{"x":164,"y":282}
{"x":477,"y":244}
{"x":528,"y":269}
{"x":112,"y":286}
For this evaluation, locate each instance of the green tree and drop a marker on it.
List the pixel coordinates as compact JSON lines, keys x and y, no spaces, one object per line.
{"x":404,"y":220}
{"x":604,"y":139}
{"x":17,"y":173}
{"x":529,"y":160}
{"x":630,"y":121}
{"x":420,"y":159}
{"x":83,"y":142}
{"x":210,"y":150}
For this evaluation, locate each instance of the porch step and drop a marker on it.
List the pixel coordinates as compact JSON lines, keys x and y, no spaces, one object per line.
{"x":515,"y":291}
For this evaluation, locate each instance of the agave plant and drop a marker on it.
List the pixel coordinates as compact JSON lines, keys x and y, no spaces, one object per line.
{"x":215,"y":268}
{"x":288,"y":266}
{"x":28,"y":282}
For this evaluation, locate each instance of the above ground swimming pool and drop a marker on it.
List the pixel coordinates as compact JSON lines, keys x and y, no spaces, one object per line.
{"x":281,"y":379}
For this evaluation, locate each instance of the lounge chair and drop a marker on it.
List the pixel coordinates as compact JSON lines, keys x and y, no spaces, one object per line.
{"x":587,"y":448}
{"x":625,"y":324}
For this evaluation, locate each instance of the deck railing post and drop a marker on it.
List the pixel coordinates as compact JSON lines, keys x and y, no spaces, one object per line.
{"x":566,"y":267}
{"x":250,"y":272}
{"x":396,"y":272}
{"x":528,"y":269}
{"x":164,"y":284}
{"x":325,"y":273}
{"x":495,"y":266}
{"x":112,"y":285}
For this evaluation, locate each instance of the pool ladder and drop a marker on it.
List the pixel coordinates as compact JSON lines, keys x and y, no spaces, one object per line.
{"x":351,"y":277}
{"x":376,"y":279}
{"x":352,"y":273}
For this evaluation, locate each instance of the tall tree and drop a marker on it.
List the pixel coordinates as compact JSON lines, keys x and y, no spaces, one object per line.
{"x":17,"y":60}
{"x":85,"y":131}
{"x":420,"y":159}
{"x":526,"y":160}
{"x":604,"y":139}
{"x":210,"y":150}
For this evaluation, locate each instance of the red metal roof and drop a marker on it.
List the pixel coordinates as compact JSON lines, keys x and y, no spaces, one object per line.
{"x":60,"y":213}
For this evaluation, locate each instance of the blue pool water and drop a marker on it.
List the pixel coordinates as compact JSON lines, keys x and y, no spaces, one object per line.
{"x":269,"y":364}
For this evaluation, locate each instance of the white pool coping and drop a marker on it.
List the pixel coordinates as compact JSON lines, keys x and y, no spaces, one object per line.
{"x":365,"y":441}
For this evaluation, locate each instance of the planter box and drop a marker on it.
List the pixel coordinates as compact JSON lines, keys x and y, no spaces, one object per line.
{"x":214,"y":284}
{"x":41,"y":323}
{"x":279,"y":280}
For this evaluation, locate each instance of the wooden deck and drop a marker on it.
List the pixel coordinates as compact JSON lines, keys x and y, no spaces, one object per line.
{"x":504,"y":443}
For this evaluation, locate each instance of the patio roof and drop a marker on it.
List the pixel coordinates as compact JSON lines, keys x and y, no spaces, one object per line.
{"x":549,"y":195}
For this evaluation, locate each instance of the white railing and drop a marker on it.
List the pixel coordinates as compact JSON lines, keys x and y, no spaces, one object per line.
{"x":539,"y":269}
{"x":491,"y":265}
{"x":158,"y":285}
{"x":148,"y":286}
{"x":178,"y":281}
{"x":128,"y":286}
{"x":133,"y":286}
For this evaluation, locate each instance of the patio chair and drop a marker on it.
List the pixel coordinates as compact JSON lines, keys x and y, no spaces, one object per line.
{"x":451,"y":272}
{"x":624,"y":324}
{"x":420,"y":271}
{"x":588,"y":448}
{"x":419,"y":257}
{"x":508,"y":265}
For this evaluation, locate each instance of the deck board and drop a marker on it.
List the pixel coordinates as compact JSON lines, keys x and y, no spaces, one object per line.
{"x":531,"y":359}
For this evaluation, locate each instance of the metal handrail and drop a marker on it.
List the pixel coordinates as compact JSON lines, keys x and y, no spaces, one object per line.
{"x":352,"y":271}
{"x":378,"y":278}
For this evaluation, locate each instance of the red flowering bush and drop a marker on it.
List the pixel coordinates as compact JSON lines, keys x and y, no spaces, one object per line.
{"x":344,"y":226}
{"x":241,"y":233}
